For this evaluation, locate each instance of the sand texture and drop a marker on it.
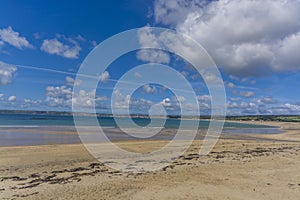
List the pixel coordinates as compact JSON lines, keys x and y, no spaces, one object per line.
{"x":237,"y":168}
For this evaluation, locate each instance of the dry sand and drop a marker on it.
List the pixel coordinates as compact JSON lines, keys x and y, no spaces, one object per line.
{"x":235,"y":169}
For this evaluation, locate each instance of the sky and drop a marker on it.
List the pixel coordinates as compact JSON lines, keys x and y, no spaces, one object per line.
{"x":255,"y":45}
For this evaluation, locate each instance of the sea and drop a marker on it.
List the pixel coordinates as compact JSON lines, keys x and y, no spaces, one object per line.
{"x":41,"y":129}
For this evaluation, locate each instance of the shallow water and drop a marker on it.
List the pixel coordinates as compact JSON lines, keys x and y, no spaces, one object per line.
{"x":27,"y":129}
{"x":67,"y":135}
{"x":35,"y":120}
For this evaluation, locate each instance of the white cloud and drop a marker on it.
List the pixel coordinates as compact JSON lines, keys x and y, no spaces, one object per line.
{"x":88,"y":99}
{"x":122,"y":102}
{"x":148,"y":39}
{"x":154,"y":56}
{"x":61,"y":96}
{"x":104,"y":77}
{"x":204,"y":98}
{"x":174,"y":12}
{"x":94,"y":43}
{"x":264,"y":106}
{"x":252,"y":82}
{"x":138,"y":75}
{"x":150,"y":89}
{"x":186,"y":74}
{"x":244,"y":37}
{"x":230,"y":85}
{"x":247,"y":94}
{"x":287,"y":54}
{"x":181,"y":99}
{"x":238,"y":108}
{"x":166,"y":102}
{"x":8,"y":35}
{"x":32,"y":102}
{"x":70,"y":81}
{"x":204,"y":102}
{"x":267,"y":100}
{"x":56,"y":47}
{"x":179,"y":105}
{"x":12,"y":98}
{"x":181,"y":46}
{"x":286,"y":108}
{"x":6,"y":73}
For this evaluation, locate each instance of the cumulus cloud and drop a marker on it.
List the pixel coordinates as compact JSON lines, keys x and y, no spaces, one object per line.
{"x":12,"y":98}
{"x":166,"y":102}
{"x":148,"y":39}
{"x":262,"y":106}
{"x":122,"y":101}
{"x":62,"y":96}
{"x":88,"y":99}
{"x":230,"y":85}
{"x":204,"y":102}
{"x":174,"y":12}
{"x":6,"y":73}
{"x":284,"y":109}
{"x":244,"y":37}
{"x":267,"y":100}
{"x":204,"y":98}
{"x":181,"y":46}
{"x":103,"y":78}
{"x":176,"y":105}
{"x":56,"y":47}
{"x":154,"y":56}
{"x":70,"y":81}
{"x":9,"y":36}
{"x":247,"y":94}
{"x":150,"y":89}
{"x":32,"y":102}
{"x":59,"y":95}
{"x":238,"y":108}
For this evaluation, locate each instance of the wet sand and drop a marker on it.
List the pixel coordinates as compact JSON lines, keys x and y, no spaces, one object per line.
{"x":239,"y":167}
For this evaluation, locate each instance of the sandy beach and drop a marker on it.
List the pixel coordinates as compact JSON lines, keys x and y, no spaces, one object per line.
{"x":263,"y":167}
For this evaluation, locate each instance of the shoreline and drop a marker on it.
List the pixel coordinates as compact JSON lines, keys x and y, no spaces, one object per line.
{"x":62,"y":135}
{"x":235,"y":169}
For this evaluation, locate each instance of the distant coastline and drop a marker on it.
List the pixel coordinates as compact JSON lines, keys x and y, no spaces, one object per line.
{"x":278,"y":118}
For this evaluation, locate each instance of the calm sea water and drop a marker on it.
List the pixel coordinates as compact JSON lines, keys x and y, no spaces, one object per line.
{"x":27,"y":120}
{"x":28,"y":129}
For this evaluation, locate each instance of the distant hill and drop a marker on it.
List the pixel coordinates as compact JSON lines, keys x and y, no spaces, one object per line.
{"x":280,"y":118}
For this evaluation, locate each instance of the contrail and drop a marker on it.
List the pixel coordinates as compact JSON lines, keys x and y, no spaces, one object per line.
{"x":88,"y":76}
{"x":53,"y":70}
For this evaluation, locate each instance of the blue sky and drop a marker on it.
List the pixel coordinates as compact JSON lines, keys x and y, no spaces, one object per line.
{"x":255,"y":45}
